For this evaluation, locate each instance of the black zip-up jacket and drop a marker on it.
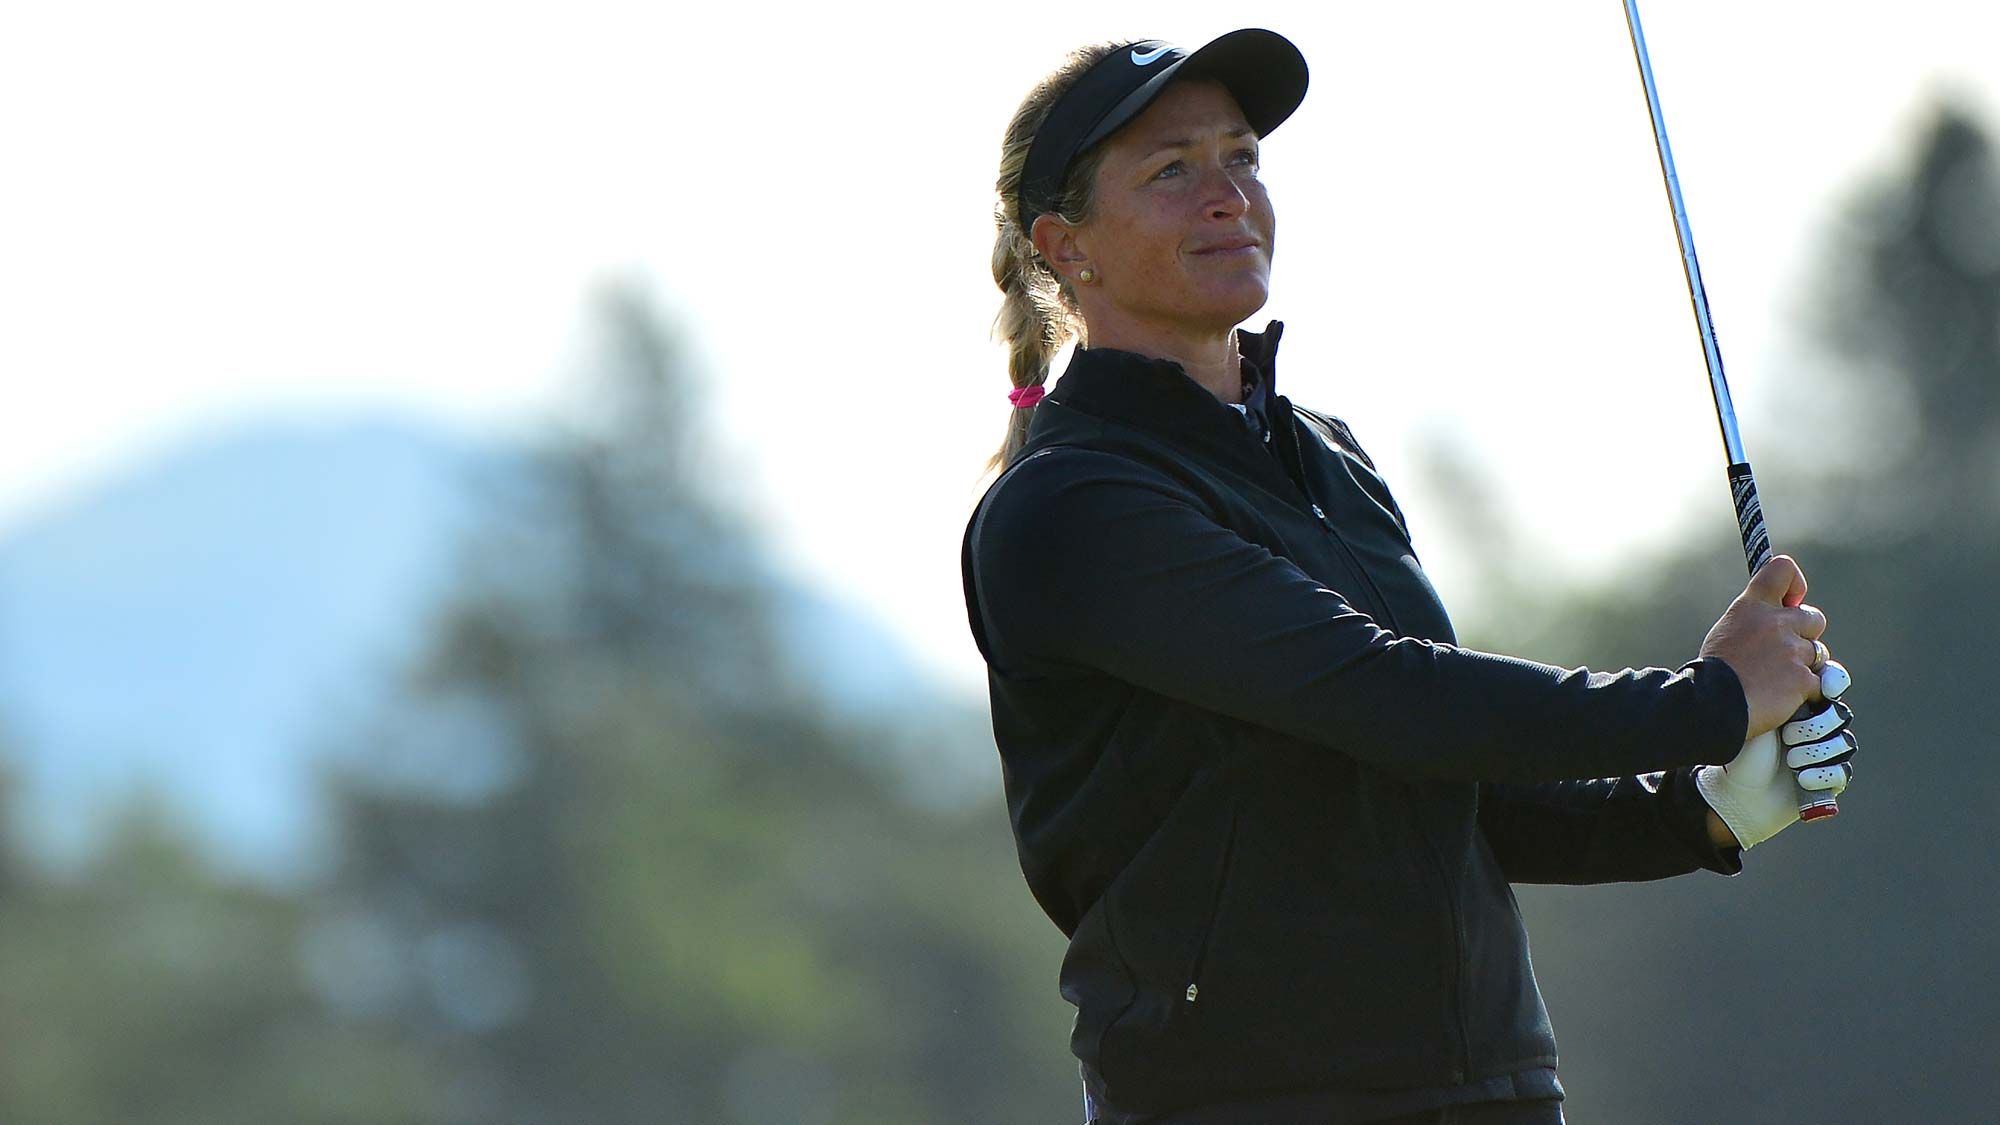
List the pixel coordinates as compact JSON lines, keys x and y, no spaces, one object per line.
{"x":1274,"y":808}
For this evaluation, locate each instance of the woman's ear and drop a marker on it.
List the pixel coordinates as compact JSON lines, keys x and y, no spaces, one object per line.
{"x":1055,"y":240}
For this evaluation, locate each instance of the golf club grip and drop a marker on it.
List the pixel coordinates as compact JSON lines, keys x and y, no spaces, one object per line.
{"x":1749,"y":516}
{"x":1757,"y":549}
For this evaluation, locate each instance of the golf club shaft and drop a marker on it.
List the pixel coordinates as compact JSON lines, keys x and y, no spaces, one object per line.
{"x":1742,"y":484}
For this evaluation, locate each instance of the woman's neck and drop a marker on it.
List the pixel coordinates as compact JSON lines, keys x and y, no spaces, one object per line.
{"x":1212,"y":361}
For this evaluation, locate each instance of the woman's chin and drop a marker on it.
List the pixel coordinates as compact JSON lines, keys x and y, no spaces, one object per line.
{"x":1237,"y":303}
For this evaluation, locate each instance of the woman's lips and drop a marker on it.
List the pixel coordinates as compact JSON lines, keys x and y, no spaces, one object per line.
{"x":1229,"y":249}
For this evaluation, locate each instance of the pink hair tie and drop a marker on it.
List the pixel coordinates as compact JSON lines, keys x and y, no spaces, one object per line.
{"x":1024,"y":397}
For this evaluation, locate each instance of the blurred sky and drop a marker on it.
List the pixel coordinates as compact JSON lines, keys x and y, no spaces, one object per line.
{"x":219,"y":210}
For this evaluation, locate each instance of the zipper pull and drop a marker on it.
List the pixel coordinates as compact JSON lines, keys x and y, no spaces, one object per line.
{"x":1192,"y":992}
{"x":1318,"y":514}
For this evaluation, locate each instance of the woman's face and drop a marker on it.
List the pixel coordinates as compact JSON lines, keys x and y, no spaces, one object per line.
{"x":1180,"y":235}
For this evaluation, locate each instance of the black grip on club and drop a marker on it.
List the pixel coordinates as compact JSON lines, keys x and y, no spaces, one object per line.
{"x":1749,"y":516}
{"x":1757,"y":549}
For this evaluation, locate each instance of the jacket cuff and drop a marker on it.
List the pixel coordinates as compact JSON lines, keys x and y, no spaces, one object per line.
{"x":1725,"y":708}
{"x":1688,"y":813}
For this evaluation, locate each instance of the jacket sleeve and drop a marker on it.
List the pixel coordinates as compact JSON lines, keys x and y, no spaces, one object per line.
{"x":1086,"y":562}
{"x":1611,"y":830}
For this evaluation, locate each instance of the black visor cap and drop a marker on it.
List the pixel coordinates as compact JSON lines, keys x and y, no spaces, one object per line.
{"x":1262,"y":70}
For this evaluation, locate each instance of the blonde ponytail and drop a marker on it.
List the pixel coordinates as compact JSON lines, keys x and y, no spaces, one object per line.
{"x":1038,"y":311}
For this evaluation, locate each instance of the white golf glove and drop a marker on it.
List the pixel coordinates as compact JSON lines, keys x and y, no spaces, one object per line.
{"x":1754,"y":794}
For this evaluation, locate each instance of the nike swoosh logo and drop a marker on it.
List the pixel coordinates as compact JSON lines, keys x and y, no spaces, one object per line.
{"x":1149,"y":57}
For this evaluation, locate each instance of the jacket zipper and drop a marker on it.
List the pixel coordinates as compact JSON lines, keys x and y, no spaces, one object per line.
{"x":1458,"y":940}
{"x":1458,"y":973}
{"x":1353,"y":563}
{"x":1214,"y":913}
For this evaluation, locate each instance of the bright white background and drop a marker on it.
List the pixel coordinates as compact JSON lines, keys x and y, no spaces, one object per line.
{"x":215,"y":210}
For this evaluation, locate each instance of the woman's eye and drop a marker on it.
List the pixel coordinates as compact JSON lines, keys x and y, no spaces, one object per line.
{"x":1169,"y":171}
{"x":1245,"y":156}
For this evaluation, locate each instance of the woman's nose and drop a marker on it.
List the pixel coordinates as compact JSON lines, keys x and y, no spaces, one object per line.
{"x":1225,"y":198}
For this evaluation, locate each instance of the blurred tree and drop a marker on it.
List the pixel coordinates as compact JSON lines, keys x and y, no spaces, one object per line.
{"x":1917,"y":306}
{"x":143,"y":989}
{"x":606,"y":863}
{"x":1835,"y":980}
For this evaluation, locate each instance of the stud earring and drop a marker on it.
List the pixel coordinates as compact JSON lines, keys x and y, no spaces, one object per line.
{"x":1087,"y":275}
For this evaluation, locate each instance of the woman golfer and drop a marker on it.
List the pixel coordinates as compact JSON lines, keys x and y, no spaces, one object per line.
{"x":1273,"y":806}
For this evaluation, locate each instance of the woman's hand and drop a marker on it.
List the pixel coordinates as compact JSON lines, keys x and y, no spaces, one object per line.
{"x":1767,"y":636}
{"x":1756,"y":796}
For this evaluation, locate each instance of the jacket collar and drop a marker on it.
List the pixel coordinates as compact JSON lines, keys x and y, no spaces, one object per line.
{"x":1157,"y":395}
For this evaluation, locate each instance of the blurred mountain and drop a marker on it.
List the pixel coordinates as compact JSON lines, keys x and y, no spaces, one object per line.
{"x":201,"y":620}
{"x":187,"y":621}
{"x":617,"y":825}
